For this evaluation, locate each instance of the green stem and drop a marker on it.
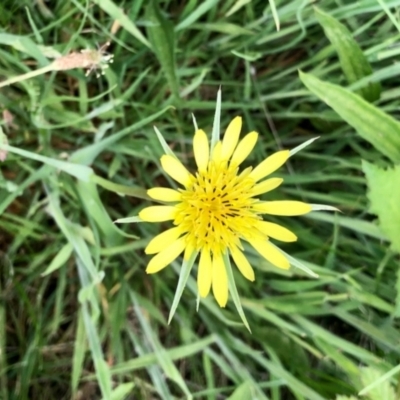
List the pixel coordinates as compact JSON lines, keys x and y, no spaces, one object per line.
{"x":28,"y":75}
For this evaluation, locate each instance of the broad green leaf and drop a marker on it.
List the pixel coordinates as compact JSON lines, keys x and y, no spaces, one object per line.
{"x":374,"y":125}
{"x":354,"y":64}
{"x":384,"y":196}
{"x":162,"y":38}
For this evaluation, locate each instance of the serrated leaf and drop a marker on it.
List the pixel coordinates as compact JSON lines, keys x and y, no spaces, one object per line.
{"x":371,"y":123}
{"x":381,"y":390}
{"x":384,"y":196}
{"x":354,"y":64}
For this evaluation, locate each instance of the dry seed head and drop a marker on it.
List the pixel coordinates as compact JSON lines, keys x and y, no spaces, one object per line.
{"x":87,"y":59}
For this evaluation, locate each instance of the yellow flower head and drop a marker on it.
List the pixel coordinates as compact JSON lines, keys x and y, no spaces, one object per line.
{"x":218,"y":208}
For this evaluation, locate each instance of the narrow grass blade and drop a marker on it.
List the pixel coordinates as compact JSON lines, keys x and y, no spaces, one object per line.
{"x":176,"y":353}
{"x":81,"y":172}
{"x":102,"y":370}
{"x":163,"y":358}
{"x":95,"y":210}
{"x":354,"y":64}
{"x":196,"y":14}
{"x":374,"y":125}
{"x":79,"y":353}
{"x":86,"y":155}
{"x":118,"y":14}
{"x":275,"y":14}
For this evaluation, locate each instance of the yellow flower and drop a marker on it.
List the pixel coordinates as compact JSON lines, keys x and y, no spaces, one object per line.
{"x":218,"y":208}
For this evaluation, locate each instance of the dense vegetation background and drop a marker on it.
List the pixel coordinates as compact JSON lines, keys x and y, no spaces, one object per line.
{"x":79,"y":317}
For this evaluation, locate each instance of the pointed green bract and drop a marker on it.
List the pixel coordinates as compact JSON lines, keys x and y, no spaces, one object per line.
{"x":217,"y":121}
{"x":354,"y":64}
{"x":233,"y":291}
{"x":184,"y":274}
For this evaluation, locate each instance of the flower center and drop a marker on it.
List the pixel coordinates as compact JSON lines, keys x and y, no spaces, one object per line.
{"x":216,"y":208}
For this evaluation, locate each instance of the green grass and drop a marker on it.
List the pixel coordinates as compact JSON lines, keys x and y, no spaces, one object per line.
{"x":79,"y":317}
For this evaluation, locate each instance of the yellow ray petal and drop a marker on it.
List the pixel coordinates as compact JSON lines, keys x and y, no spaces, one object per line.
{"x":266,"y":186}
{"x":165,"y":257}
{"x":201,"y":150}
{"x":270,"y":253}
{"x":242,"y":263}
{"x":189,"y":249}
{"x":217,"y":152}
{"x":270,"y":164}
{"x":283,"y":207}
{"x":204,"y":274}
{"x":231,"y":137}
{"x":219,"y":280}
{"x":175,"y":169}
{"x":163,"y":240}
{"x":164,"y":194}
{"x":244,"y":148}
{"x":276,"y":231}
{"x":157,"y":213}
